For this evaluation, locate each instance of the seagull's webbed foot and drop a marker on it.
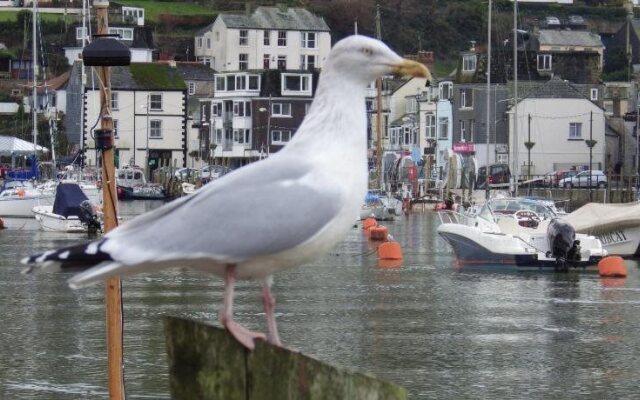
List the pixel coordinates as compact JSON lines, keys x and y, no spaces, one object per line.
{"x":242,"y":334}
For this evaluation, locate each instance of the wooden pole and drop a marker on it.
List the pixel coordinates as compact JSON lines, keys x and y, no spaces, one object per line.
{"x":207,"y":363}
{"x":113,"y":287}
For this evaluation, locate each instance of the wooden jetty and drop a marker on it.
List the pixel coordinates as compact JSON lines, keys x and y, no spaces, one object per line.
{"x":206,"y":363}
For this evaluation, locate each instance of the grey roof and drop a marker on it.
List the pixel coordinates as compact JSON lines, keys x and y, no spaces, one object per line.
{"x":569,"y":38}
{"x":194,"y":71}
{"x":555,"y":88}
{"x":202,"y":31}
{"x":298,"y":19}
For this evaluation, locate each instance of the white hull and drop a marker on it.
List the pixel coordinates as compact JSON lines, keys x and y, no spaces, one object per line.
{"x":20,"y":207}
{"x":624,"y":242}
{"x":51,"y":222}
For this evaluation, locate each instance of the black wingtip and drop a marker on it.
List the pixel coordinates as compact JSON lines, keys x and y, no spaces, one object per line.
{"x":75,"y":258}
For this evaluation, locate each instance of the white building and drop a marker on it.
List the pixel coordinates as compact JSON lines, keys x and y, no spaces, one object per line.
{"x":562,"y":121}
{"x":149,"y":117}
{"x":436,"y":122}
{"x":269,"y":38}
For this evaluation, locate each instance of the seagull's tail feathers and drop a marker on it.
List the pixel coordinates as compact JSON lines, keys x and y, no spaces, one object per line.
{"x":74,"y":258}
{"x":96,"y":274}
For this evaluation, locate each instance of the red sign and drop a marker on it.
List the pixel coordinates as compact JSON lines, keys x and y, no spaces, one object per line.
{"x":463,"y":148}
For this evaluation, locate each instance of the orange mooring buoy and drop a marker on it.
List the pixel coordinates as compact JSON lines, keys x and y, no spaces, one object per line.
{"x":369,"y":223}
{"x":613,"y":267}
{"x":379,"y":232}
{"x":390,"y":250}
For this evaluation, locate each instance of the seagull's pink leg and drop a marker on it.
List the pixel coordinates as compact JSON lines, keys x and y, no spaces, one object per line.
{"x":269,"y":307}
{"x":242,"y":334}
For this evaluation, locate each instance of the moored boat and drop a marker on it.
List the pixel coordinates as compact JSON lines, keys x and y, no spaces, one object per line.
{"x":616,"y":225}
{"x":19,"y":197}
{"x":520,"y":233}
{"x":71,"y":212}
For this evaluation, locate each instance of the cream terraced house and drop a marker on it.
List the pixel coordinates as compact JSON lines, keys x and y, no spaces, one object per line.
{"x":269,"y":38}
{"x":148,"y":106}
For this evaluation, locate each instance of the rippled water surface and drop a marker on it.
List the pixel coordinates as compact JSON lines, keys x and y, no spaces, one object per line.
{"x":439,"y":332}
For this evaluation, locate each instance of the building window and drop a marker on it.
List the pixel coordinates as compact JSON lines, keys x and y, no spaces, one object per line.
{"x":209,"y":43}
{"x":446,"y":91}
{"x":282,"y":62}
{"x":231,"y":83}
{"x":216,"y":109}
{"x":115,"y":128}
{"x":281,"y":109}
{"x":266,"y":61}
{"x":472,"y":128}
{"x":123,"y":33}
{"x":114,"y":101}
{"x":220,"y":84}
{"x":242,"y":136}
{"x":430,"y":122}
{"x":155,"y":128}
{"x":155,"y":102}
{"x":594,"y":94}
{"x":296,"y":83}
{"x":218,"y":138}
{"x":192,"y":88}
{"x":308,"y":40}
{"x":443,"y":128}
{"x":280,"y":137}
{"x":241,"y":82}
{"x":217,"y":36}
{"x":199,"y":42}
{"x":254,"y":82}
{"x":575,"y":130}
{"x":469,"y":63}
{"x":308,"y":62}
{"x":544,"y":62}
{"x":266,"y":39}
{"x":243,"y":61}
{"x":502,"y":158}
{"x":466,"y":98}
{"x":244,"y":37}
{"x":463,"y":130}
{"x":282,"y":38}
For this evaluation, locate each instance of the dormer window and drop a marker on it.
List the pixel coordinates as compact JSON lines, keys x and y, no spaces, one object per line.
{"x":81,"y":33}
{"x":544,"y":62}
{"x":446,"y":90}
{"x":469,"y":63}
{"x":293,"y":84}
{"x":123,"y":33}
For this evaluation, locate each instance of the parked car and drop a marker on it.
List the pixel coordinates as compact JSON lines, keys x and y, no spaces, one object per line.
{"x":209,"y":172}
{"x":575,"y":20}
{"x":630,"y":116}
{"x":185,"y":173}
{"x":498,"y":173}
{"x":552,"y":21}
{"x":552,"y":178}
{"x":581,"y":179}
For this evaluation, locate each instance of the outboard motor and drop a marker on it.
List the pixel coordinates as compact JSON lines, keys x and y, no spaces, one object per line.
{"x":563,"y":244}
{"x":89,"y":217}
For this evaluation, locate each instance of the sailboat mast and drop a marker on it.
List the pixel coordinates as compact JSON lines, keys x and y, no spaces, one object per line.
{"x":379,"y":109}
{"x":488,"y":125}
{"x":82,"y":80}
{"x":34,"y":62}
{"x":515,"y":163}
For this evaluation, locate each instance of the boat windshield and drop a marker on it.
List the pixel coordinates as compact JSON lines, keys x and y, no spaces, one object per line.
{"x":486,"y":213}
{"x":510,"y":206}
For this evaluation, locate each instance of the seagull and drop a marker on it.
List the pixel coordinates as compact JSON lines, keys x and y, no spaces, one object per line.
{"x":276,"y":213}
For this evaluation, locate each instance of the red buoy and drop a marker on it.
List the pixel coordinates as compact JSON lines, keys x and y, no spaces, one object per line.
{"x":612,"y":267}
{"x":390,"y":250}
{"x":379,"y":232}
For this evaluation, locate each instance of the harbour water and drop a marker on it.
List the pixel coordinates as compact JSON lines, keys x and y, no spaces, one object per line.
{"x":440,"y":332}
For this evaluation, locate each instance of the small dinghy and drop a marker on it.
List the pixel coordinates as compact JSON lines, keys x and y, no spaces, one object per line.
{"x":71,"y":212}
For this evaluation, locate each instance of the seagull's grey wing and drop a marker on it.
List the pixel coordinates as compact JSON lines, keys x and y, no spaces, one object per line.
{"x":243,"y":218}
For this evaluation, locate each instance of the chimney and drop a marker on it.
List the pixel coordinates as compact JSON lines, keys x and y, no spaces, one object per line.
{"x":247,"y":8}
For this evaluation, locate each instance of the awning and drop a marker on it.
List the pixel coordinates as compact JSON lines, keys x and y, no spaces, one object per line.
{"x":12,"y":145}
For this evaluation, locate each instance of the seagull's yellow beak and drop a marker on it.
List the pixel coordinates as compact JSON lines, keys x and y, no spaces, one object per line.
{"x":412,"y":68}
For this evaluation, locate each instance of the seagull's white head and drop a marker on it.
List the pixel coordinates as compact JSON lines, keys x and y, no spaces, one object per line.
{"x":363,"y":59}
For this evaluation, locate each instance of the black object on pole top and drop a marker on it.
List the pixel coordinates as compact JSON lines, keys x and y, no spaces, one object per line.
{"x":105,"y":51}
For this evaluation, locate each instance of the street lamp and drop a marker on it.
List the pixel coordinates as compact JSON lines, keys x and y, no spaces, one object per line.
{"x":268,"y":111}
{"x":590,"y":143}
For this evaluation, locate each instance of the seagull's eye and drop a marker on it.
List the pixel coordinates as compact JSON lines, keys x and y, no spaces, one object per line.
{"x":367,"y":51}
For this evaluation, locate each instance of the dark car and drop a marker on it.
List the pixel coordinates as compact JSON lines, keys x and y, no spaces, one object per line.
{"x":498,"y":173}
{"x":630,"y":116}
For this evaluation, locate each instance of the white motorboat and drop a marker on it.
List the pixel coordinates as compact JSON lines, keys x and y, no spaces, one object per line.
{"x":71,"y":212}
{"x":616,"y":225}
{"x":19,"y":197}
{"x":518,"y":232}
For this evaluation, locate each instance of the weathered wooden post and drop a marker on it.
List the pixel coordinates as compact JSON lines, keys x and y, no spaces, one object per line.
{"x":206,"y":363}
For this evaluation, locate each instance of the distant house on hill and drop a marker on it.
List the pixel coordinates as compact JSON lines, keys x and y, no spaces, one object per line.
{"x":139,"y":39}
{"x":269,"y":38}
{"x":149,"y":109}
